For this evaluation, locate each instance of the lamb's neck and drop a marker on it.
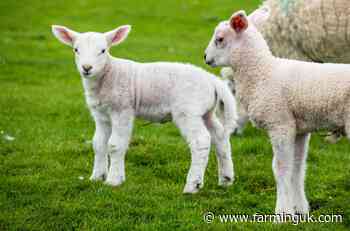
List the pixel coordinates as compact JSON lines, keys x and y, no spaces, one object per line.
{"x":252,"y":61}
{"x":93,"y":85}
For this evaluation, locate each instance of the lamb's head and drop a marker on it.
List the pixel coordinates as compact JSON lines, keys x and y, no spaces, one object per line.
{"x":91,"y":48}
{"x":229,"y":36}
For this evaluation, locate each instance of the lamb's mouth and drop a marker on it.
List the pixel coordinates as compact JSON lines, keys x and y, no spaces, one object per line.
{"x":211,"y":63}
{"x":87,"y":74}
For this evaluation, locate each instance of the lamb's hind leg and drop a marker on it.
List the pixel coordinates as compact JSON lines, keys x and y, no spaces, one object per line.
{"x":223,"y":149}
{"x":198,"y":138}
{"x":299,"y":198}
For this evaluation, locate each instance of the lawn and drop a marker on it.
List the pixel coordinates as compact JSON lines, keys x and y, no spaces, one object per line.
{"x":44,"y":171}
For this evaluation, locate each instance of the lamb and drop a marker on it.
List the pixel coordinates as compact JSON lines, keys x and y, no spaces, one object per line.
{"x":292,"y":32}
{"x":288,"y":98}
{"x":118,"y":90}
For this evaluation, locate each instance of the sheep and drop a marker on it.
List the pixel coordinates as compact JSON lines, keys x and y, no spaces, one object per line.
{"x":118,"y":90}
{"x":292,"y":32}
{"x":288,"y":98}
{"x":316,"y":30}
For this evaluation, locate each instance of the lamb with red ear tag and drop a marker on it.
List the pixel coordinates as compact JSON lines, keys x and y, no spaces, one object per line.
{"x":288,"y":98}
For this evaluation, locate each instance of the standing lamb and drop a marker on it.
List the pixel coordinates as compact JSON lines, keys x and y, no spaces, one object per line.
{"x":317,"y":31}
{"x":288,"y":98}
{"x":119,"y":90}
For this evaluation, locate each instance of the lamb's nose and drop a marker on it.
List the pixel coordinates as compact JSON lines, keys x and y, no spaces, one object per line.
{"x":209,"y":62}
{"x":87,"y":67}
{"x":205,"y":56}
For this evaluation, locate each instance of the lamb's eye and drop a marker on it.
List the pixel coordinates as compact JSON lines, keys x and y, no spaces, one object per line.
{"x":103,"y":51}
{"x":219,"y":40}
{"x":76,"y":50}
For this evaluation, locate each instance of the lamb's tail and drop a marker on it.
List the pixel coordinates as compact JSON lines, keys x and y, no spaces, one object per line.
{"x":226,"y":104}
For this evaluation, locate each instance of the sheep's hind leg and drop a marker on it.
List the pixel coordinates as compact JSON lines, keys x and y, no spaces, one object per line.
{"x":223,"y":149}
{"x":198,"y":139}
{"x":118,"y":145}
{"x":300,"y":202}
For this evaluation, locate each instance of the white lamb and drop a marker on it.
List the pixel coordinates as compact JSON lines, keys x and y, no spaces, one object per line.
{"x":118,"y":90}
{"x":288,"y":98}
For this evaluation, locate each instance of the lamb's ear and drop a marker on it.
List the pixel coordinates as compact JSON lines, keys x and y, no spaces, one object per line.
{"x":239,"y":21}
{"x":118,"y":35}
{"x":64,"y":34}
{"x":259,"y":16}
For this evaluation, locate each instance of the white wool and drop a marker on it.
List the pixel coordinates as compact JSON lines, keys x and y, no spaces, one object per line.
{"x":228,"y":76}
{"x":288,"y":98}
{"x":315,"y":30}
{"x":119,"y":90}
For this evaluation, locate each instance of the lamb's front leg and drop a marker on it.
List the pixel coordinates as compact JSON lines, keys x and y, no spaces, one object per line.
{"x":283,"y":144}
{"x":122,"y":123}
{"x":99,"y":143}
{"x":299,"y":198}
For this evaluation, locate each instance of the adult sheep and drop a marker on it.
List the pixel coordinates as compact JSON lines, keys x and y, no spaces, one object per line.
{"x":316,"y":30}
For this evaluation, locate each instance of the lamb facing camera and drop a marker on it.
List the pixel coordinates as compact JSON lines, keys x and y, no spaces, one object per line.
{"x":288,"y":98}
{"x":118,"y":90}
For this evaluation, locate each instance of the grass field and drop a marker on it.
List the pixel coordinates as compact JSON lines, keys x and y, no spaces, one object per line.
{"x":44,"y":172}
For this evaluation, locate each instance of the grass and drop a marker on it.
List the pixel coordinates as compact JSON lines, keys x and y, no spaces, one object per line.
{"x":44,"y":172}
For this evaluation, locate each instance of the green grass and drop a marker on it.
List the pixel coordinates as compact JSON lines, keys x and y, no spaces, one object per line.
{"x":42,"y":106}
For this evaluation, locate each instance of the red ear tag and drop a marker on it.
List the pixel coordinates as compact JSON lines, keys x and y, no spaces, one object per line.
{"x":238,"y":23}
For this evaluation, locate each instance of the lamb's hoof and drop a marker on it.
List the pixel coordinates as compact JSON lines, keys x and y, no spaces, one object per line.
{"x":302,"y":210}
{"x":116,"y":181}
{"x":226,"y":181}
{"x":283,"y":215}
{"x":300,"y":217}
{"x":192,"y":188}
{"x":280,"y":218}
{"x":98,"y":177}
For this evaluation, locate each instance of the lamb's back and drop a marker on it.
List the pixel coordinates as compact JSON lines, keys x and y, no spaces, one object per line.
{"x":316,"y":93}
{"x":165,"y":87}
{"x":175,"y":78}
